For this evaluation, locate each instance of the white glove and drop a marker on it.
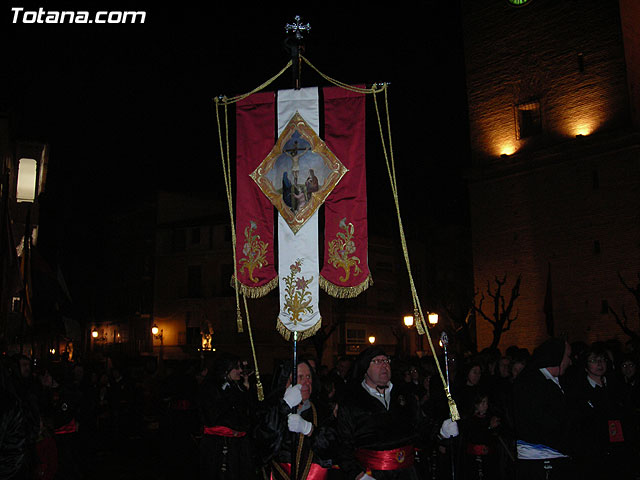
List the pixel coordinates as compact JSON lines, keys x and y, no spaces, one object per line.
{"x":449,"y":429}
{"x":367,"y":477}
{"x":297,"y":424}
{"x":293,"y":396}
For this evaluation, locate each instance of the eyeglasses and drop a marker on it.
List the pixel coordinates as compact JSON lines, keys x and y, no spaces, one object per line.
{"x":381,"y":361}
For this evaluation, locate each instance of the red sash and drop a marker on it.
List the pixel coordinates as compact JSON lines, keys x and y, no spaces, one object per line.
{"x":395,"y":459}
{"x":223,"y":431}
{"x":476,"y":449}
{"x":316,"y":472}
{"x":68,"y":428}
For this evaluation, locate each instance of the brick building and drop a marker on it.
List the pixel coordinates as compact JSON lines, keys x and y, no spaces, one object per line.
{"x":554,"y":185}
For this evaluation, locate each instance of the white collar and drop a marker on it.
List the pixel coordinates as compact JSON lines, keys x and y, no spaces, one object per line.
{"x":384,"y":397}
{"x":548,"y":376}
{"x":593,"y":383}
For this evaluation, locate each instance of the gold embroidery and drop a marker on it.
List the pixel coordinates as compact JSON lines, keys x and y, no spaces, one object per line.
{"x":341,"y":247}
{"x":297,"y":298}
{"x":255,"y":251}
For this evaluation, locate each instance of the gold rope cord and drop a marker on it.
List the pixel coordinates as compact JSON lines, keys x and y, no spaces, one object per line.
{"x":390,"y":164}
{"x":226,"y":169}
{"x":259,"y":388}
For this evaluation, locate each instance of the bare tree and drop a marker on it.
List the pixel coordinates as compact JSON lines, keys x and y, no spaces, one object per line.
{"x":502,"y":315}
{"x":622,"y":320}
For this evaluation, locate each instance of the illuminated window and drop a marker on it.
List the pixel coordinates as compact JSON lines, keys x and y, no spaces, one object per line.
{"x":27,"y":175}
{"x":529,"y":122}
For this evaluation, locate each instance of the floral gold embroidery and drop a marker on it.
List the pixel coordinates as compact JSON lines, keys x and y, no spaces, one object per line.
{"x":254,"y":251}
{"x":297,"y":298}
{"x":340,"y":249}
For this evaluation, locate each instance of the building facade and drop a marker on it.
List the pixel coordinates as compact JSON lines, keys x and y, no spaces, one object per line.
{"x":555,"y":180}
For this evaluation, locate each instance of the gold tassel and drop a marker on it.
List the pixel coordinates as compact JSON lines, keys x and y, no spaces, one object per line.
{"x":453,"y":409}
{"x":239,"y":320}
{"x":260,"y":391}
{"x":344,"y":292}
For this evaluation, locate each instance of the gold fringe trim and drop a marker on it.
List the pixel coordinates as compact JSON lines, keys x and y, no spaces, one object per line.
{"x":255,"y":292}
{"x":309,"y":332}
{"x":344,"y":292}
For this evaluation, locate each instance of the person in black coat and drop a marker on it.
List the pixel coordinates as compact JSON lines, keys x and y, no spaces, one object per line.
{"x":543,"y":426}
{"x":296,"y":426}
{"x":379,"y":426}
{"x":226,"y":412}
{"x":604,"y":413}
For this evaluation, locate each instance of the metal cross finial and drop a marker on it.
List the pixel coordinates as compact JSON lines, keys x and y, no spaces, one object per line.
{"x":297,"y":28}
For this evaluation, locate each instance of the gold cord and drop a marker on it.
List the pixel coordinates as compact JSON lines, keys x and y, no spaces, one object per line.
{"x":259,"y":388}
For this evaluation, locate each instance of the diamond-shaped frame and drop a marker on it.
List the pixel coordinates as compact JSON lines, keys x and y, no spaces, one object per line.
{"x":317,"y":153}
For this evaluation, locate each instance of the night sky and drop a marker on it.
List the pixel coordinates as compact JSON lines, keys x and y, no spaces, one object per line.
{"x":128,"y":109}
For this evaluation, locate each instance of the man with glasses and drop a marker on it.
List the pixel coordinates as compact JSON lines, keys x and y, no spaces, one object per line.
{"x":604,"y":414}
{"x":378,"y":426}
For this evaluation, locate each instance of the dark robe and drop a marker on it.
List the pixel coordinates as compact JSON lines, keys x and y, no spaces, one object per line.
{"x":275,"y":443}
{"x":365,"y":423}
{"x":228,"y":405}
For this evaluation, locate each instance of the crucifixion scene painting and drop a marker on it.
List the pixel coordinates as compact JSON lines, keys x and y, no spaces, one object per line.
{"x":299,"y":173}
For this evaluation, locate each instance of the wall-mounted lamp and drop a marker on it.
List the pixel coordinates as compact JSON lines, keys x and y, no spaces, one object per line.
{"x":408,"y":321}
{"x":157,"y":332}
{"x":94,"y":333}
{"x":372,"y":339}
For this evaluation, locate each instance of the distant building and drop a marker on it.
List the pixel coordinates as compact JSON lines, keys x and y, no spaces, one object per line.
{"x":554,"y":109}
{"x":23,"y":167}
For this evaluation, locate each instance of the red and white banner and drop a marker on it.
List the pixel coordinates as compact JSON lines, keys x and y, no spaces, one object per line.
{"x":297,"y":175}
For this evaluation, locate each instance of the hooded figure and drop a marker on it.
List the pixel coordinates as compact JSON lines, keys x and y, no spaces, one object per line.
{"x":226,"y":411}
{"x":294,"y":421}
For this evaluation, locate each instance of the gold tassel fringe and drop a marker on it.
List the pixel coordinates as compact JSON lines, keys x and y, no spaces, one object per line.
{"x":344,"y":292}
{"x":453,"y":409}
{"x":255,"y":292}
{"x":309,"y":332}
{"x":239,"y":320}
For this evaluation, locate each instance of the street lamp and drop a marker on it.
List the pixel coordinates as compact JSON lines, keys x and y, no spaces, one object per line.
{"x":94,"y":333}
{"x":433,"y":318}
{"x":408,"y":321}
{"x":372,"y":339}
{"x":155,"y":330}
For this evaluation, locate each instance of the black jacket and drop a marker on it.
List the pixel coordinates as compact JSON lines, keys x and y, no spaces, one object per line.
{"x":364,"y":422}
{"x":541,"y":412}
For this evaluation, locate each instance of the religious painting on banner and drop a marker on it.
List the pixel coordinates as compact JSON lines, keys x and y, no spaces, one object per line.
{"x":299,"y":173}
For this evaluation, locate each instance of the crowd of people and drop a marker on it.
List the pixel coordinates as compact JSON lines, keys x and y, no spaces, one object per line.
{"x":561,"y":411}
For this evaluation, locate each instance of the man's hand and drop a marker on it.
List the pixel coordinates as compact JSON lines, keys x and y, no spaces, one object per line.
{"x":297,"y":424}
{"x":449,"y":429}
{"x":293,"y":396}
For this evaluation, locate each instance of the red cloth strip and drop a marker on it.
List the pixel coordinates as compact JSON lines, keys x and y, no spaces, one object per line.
{"x":316,"y":472}
{"x":70,"y":427}
{"x":255,"y":127}
{"x":345,"y":269}
{"x":395,"y":459}
{"x":223,"y":431}
{"x":476,"y":449}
